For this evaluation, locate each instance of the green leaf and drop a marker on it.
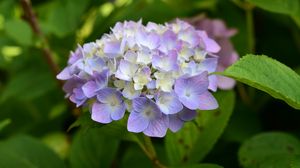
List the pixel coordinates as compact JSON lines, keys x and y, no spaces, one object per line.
{"x":135,"y":157}
{"x":275,"y":150}
{"x":64,"y":16}
{"x":202,"y":165}
{"x":289,"y":7}
{"x":268,"y":75}
{"x":27,"y":152}
{"x":92,"y":149}
{"x":28,"y":85}
{"x":117,"y":129}
{"x":4,"y":123}
{"x":19,"y":31}
{"x":193,"y":142}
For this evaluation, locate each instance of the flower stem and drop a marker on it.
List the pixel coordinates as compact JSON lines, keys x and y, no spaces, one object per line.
{"x":148,"y":148}
{"x":250,"y":28}
{"x":30,"y":17}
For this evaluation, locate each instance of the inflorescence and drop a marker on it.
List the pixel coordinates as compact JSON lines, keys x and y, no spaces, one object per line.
{"x":159,"y":74}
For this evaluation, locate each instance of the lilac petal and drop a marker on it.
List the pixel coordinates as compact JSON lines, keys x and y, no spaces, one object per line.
{"x":157,"y":127}
{"x":190,"y":36}
{"x":109,"y":95}
{"x":165,"y":62}
{"x":64,"y":74}
{"x":89,"y":89}
{"x":225,"y":83}
{"x":151,"y":84}
{"x":213,"y":82}
{"x":186,"y":114}
{"x":101,"y":79}
{"x":168,"y":41}
{"x":207,"y":101}
{"x":136,"y":122}
{"x":130,"y":56}
{"x":75,"y":56}
{"x":189,"y":89}
{"x":138,"y":104}
{"x":118,"y":111}
{"x":153,"y":41}
{"x":112,"y":48}
{"x":211,"y":45}
{"x":150,"y":40}
{"x":146,"y":106}
{"x":175,"y":124}
{"x":72,"y":83}
{"x":144,"y":57}
{"x":101,"y":113}
{"x":77,"y":101}
{"x":126,"y":70}
{"x":210,"y":64}
{"x":190,"y":101}
{"x":169,"y":103}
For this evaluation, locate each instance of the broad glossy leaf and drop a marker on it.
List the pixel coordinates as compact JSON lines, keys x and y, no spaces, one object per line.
{"x":268,"y":75}
{"x":19,"y":31}
{"x":27,"y":152}
{"x":92,"y":148}
{"x":290,"y":7}
{"x":275,"y":150}
{"x":193,"y":142}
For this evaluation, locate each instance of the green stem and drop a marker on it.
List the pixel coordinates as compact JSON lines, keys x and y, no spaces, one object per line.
{"x":148,"y":148}
{"x":250,"y":28}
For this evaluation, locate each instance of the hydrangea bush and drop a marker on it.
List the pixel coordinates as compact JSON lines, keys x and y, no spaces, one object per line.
{"x":160,"y":74}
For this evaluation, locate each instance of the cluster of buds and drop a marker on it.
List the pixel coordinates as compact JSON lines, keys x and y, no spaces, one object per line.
{"x":159,"y":74}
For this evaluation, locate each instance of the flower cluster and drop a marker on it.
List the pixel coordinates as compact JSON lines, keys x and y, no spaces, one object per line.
{"x":216,"y":29}
{"x":158,"y":73}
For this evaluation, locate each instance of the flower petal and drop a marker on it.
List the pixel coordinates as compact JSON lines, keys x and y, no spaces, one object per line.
{"x":207,"y":101}
{"x":112,"y":48}
{"x":169,"y":103}
{"x":109,"y":95}
{"x":157,"y":127}
{"x":126,"y":70}
{"x":175,"y":124}
{"x":89,"y":89}
{"x":64,"y":74}
{"x":186,"y":114}
{"x":118,"y":111}
{"x":136,"y":122}
{"x":101,"y":113}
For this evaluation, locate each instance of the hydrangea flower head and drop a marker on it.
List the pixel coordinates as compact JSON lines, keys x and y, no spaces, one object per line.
{"x":158,"y":73}
{"x":217,"y":30}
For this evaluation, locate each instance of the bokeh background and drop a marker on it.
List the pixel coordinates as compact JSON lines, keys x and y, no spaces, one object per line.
{"x":32,"y":102}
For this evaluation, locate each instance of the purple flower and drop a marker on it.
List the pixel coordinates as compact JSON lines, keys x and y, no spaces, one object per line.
{"x":73,"y":89}
{"x":158,"y":73}
{"x":192,"y":92}
{"x":109,"y":106}
{"x":166,"y":62}
{"x":168,"y":103}
{"x":100,"y":81}
{"x":147,"y":118}
{"x":216,"y":29}
{"x":176,"y":121}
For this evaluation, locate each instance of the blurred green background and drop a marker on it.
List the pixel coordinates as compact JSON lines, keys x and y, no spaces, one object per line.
{"x":33,"y":111}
